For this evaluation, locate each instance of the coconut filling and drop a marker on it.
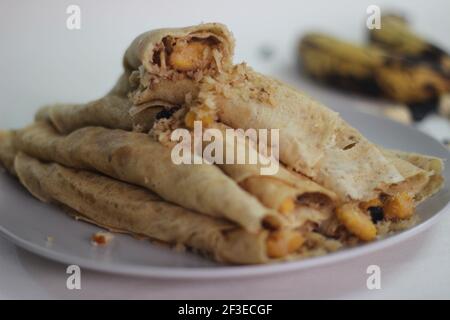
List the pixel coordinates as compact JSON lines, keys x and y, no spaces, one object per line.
{"x":180,"y":60}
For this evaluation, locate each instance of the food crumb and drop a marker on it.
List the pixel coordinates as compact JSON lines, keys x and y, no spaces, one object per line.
{"x":101,"y":238}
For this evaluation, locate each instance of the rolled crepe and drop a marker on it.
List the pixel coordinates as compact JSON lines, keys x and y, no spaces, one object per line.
{"x":165,"y":64}
{"x":123,"y":207}
{"x":293,"y":195}
{"x":307,"y":199}
{"x":414,"y":167}
{"x":136,"y":158}
{"x":111,"y":111}
{"x":314,"y":140}
{"x":415,"y":178}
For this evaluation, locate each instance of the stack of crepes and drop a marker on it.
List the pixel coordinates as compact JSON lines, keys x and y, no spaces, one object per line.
{"x":110,"y":160}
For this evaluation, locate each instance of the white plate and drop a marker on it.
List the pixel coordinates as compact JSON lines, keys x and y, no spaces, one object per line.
{"x":27,"y":222}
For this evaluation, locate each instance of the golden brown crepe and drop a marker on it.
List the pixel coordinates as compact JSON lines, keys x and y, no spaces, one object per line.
{"x":136,"y":158}
{"x":123,"y":207}
{"x":111,"y":111}
{"x":165,"y":64}
{"x":422,"y":164}
{"x":314,"y":140}
{"x":295,"y":196}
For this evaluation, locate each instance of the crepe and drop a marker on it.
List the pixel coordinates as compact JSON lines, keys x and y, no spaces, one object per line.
{"x":419,"y":165}
{"x":123,"y":207}
{"x":295,"y":196}
{"x":314,"y":140}
{"x":165,"y":64}
{"x":136,"y":158}
{"x":111,"y":111}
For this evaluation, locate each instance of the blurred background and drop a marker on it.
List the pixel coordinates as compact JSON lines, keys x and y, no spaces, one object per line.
{"x":42,"y":61}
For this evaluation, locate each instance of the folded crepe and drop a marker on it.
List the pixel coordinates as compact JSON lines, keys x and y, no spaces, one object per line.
{"x":137,"y":158}
{"x":423,"y":174}
{"x":314,"y":140}
{"x":166,"y":64}
{"x":111,"y":111}
{"x":295,"y":196}
{"x":122,"y":207}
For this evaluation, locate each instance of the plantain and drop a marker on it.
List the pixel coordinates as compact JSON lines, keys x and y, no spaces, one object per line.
{"x":397,"y":37}
{"x":341,"y":64}
{"x":372,"y":70}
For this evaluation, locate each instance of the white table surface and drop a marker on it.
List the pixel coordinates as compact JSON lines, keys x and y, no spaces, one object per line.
{"x":43,"y":62}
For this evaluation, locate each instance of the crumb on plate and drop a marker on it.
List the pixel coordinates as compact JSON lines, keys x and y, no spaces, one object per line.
{"x":101,"y":238}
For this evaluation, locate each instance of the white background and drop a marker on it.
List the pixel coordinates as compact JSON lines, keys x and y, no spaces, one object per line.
{"x":42,"y":62}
